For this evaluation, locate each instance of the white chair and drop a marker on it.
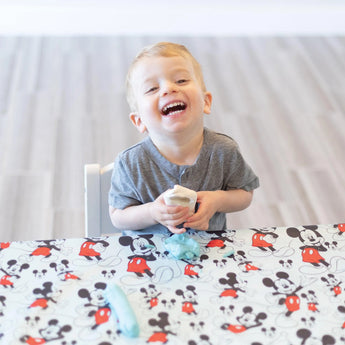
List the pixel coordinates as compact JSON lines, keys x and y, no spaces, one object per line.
{"x":97,"y":185}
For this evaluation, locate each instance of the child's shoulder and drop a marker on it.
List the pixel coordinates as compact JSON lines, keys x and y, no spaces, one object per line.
{"x":135,"y":150}
{"x":219,"y":140}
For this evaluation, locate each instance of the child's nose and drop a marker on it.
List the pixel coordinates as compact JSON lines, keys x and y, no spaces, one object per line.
{"x":169,"y":87}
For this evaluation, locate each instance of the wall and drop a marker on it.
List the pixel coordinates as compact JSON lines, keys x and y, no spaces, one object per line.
{"x":182,"y":17}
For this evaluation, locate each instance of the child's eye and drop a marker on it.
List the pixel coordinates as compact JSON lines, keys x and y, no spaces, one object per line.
{"x":151,"y":89}
{"x":182,"y":81}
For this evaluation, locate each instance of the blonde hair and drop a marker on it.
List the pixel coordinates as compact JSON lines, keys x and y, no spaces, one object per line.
{"x":165,"y":49}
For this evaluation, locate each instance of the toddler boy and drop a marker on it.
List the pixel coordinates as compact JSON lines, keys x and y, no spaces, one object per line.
{"x":168,"y":100}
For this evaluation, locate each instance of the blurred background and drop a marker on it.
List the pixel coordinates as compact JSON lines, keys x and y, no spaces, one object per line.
{"x":276,"y":70}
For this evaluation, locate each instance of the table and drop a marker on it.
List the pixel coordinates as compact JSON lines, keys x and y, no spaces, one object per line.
{"x":282,"y":285}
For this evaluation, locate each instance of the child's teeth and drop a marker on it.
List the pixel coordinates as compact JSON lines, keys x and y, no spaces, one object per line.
{"x":172,"y":105}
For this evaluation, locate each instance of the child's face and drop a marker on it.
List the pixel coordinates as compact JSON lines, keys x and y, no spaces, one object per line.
{"x":169,"y":97}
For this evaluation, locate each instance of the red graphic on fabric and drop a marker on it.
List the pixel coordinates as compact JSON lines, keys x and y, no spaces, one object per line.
{"x":258,"y":241}
{"x":292,"y":303}
{"x":154,"y":302}
{"x":188,"y":270}
{"x":41,"y":302}
{"x":188,"y":308}
{"x":341,"y":227}
{"x":71,"y":276}
{"x":35,"y":341}
{"x":102,"y":315}
{"x":159,"y":336}
{"x":44,"y":251}
{"x":312,"y":307}
{"x":5,"y":281}
{"x":138,"y":265}
{"x":229,"y":293}
{"x":250,"y":267}
{"x":215,"y":243}
{"x":337,"y":290}
{"x":311,"y":255}
{"x":4,"y":245}
{"x":87,"y":250}
{"x":237,"y":328}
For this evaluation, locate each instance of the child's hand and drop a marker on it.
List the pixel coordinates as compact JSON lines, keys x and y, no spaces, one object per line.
{"x":207,"y":208}
{"x":169,"y":216}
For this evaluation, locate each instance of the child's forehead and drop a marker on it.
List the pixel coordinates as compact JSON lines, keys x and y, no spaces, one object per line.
{"x":150,"y":66}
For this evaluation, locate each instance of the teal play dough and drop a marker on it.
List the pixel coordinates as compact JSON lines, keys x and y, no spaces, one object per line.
{"x":122,"y":310}
{"x":181,"y":246}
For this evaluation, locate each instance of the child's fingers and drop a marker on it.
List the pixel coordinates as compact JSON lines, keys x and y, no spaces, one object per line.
{"x":175,"y":230}
{"x":177,"y":212}
{"x":198,"y":221}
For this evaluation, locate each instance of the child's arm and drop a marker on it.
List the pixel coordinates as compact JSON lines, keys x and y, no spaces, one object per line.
{"x":217,"y":201}
{"x":145,"y":215}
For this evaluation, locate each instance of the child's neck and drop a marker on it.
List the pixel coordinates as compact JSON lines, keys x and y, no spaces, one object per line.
{"x":181,"y":152}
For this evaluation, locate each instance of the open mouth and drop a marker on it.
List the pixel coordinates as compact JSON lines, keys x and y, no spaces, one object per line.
{"x":173,"y":108}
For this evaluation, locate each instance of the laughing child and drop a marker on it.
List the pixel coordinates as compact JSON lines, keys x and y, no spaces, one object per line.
{"x":168,"y":101}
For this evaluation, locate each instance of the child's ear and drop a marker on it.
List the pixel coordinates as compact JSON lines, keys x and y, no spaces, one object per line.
{"x":137,"y":122}
{"x":208,"y":102}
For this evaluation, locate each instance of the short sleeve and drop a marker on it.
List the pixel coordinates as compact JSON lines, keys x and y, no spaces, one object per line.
{"x":242,"y":175}
{"x":122,"y":191}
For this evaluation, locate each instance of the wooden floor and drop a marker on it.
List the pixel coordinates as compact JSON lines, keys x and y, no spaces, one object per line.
{"x":62,"y":105}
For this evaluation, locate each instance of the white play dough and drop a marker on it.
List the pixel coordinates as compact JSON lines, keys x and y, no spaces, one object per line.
{"x":181,"y":196}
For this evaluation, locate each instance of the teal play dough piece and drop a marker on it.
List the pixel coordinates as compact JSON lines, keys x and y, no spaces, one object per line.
{"x":122,"y":310}
{"x":181,"y":246}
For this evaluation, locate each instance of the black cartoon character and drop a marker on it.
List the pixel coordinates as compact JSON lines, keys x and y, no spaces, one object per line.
{"x":151,"y":295}
{"x":44,"y":295}
{"x":286,"y":263}
{"x":340,"y":228}
{"x":284,"y":286}
{"x":109,"y":274}
{"x":219,"y":238}
{"x":64,"y":273}
{"x":308,"y":321}
{"x":40,"y":274}
{"x":311,"y":300}
{"x":235,"y":284}
{"x":169,"y":303}
{"x":307,"y":339}
{"x":243,"y":263}
{"x":32,"y":321}
{"x":229,"y":310}
{"x":189,"y":300}
{"x":333,"y":283}
{"x":312,"y":244}
{"x":92,"y":248}
{"x":142,"y":248}
{"x":12,"y":272}
{"x":247,"y":320}
{"x":264,"y":238}
{"x":222,"y":263}
{"x":96,"y":301}
{"x":45,"y":247}
{"x":192,"y":269}
{"x":204,"y":340}
{"x":52,"y":332}
{"x":164,"y":327}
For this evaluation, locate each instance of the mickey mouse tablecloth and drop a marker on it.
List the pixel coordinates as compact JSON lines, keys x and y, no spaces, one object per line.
{"x":281,"y":286}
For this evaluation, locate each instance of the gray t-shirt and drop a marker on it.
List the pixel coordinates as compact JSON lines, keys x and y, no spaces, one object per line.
{"x":141,"y":174}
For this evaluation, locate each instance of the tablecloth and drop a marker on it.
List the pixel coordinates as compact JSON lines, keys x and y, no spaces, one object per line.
{"x":282,"y":285}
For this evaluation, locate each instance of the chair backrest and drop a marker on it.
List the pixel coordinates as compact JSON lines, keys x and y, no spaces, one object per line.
{"x":97,"y":185}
